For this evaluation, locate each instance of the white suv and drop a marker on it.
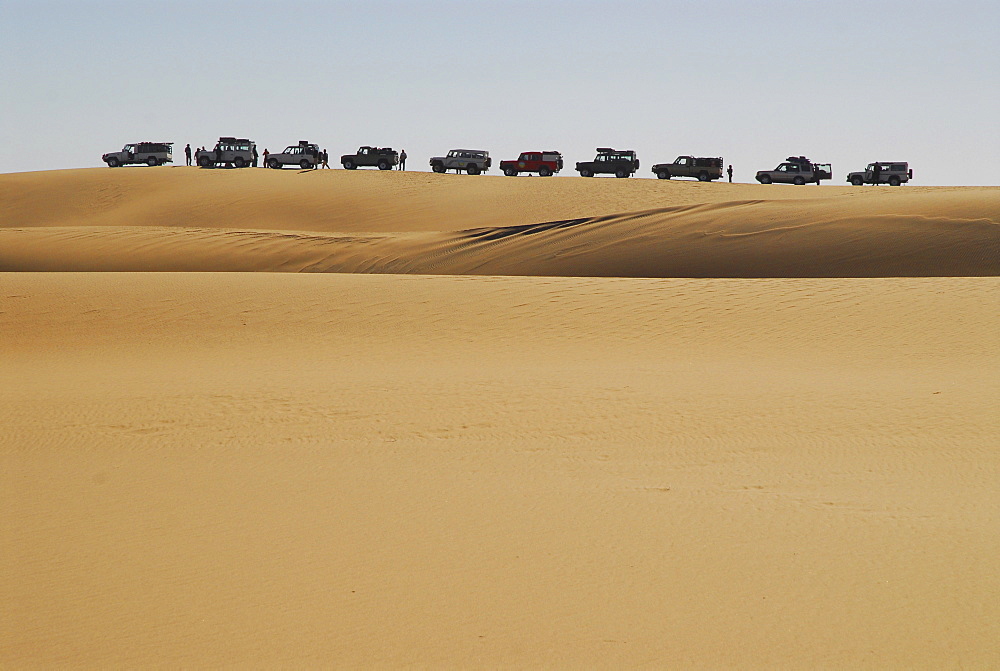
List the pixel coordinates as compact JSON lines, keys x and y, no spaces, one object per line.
{"x":303,"y":155}
{"x":473,"y":161}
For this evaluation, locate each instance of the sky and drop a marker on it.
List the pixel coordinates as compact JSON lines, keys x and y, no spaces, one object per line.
{"x":752,"y":81}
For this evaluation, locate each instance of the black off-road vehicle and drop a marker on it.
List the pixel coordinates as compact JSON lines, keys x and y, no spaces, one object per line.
{"x":238,"y":152}
{"x":383,"y":157}
{"x":620,"y":163}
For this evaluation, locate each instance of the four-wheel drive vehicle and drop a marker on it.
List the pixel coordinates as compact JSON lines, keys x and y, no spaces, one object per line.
{"x":796,"y":170}
{"x":304,"y":155}
{"x":545,"y":163}
{"x":473,"y":161}
{"x":150,"y":153}
{"x":237,"y":151}
{"x":889,"y":173}
{"x":383,"y":157}
{"x":705,"y":169}
{"x":620,"y":163}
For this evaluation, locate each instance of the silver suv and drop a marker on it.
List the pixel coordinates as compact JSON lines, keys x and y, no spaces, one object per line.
{"x":473,"y":161}
{"x":304,"y":155}
{"x":889,"y":173}
{"x":148,"y":153}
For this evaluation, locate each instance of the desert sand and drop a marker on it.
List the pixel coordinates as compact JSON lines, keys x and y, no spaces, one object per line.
{"x":482,"y":422}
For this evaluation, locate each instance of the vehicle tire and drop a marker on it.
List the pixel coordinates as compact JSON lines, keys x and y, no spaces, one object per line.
{"x":798,"y":181}
{"x":544,"y":171}
{"x":857,"y":181}
{"x":383,"y":165}
{"x":438,"y":168}
{"x":349,"y":164}
{"x":894,"y":181}
{"x":765,"y":179}
{"x":473,"y":169}
{"x":663,"y":174}
{"x":239,"y":162}
{"x":510,"y":172}
{"x":621,"y":173}
{"x":113,"y":162}
{"x":305,"y":164}
{"x":152,"y":162}
{"x":702,"y":176}
{"x":586,"y":173}
{"x":273,"y":164}
{"x":205,"y":162}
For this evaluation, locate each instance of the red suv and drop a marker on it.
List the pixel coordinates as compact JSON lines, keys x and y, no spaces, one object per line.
{"x":545,"y":163}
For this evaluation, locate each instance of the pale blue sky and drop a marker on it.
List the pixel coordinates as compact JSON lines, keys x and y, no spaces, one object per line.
{"x":842,"y":82}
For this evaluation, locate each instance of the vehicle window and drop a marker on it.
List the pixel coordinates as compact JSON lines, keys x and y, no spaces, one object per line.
{"x":898,"y":167}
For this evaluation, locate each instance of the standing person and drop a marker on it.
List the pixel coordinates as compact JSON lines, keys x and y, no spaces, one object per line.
{"x":187,"y":153}
{"x":876,"y":173}
{"x":266,"y":152}
{"x":402,"y":160}
{"x":326,"y":159}
{"x":255,"y":157}
{"x":729,"y":171}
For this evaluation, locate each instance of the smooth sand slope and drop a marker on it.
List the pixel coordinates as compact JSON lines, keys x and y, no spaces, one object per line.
{"x":469,"y":470}
{"x":339,"y":221}
{"x":348,"y":470}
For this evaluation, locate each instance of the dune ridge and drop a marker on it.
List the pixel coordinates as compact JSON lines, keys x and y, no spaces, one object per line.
{"x":423,"y":224}
{"x":723,"y":240}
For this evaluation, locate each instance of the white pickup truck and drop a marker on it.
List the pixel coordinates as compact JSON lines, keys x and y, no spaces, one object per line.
{"x":141,"y":153}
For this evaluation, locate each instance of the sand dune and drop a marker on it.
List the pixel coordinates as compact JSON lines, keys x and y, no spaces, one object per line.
{"x":437,"y":224}
{"x":229,"y":470}
{"x":787,"y":459}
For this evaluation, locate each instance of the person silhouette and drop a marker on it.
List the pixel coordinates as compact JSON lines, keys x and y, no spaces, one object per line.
{"x":402,"y":160}
{"x":729,"y":171}
{"x":187,"y":153}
